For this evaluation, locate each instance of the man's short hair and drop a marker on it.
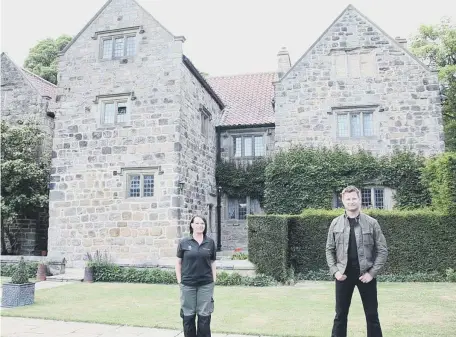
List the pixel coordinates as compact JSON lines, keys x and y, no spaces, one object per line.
{"x":350,"y":189}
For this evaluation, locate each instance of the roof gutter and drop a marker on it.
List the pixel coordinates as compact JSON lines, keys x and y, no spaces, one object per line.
{"x":232,"y":127}
{"x":202,"y":81}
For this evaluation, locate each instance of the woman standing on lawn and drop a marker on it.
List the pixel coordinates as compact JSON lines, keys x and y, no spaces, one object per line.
{"x":195,"y":273}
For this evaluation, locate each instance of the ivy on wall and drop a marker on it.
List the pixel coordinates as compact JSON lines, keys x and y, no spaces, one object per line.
{"x":308,"y":178}
{"x":305,"y":177}
{"x":240,"y":180}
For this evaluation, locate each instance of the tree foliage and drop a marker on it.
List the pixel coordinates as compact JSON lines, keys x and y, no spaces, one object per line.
{"x":42,"y":58}
{"x":25,"y":173}
{"x":436,"y":46}
{"x":440,"y":175}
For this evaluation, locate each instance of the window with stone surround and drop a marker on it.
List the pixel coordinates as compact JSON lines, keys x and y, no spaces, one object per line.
{"x":239,"y":208}
{"x":355,"y":123}
{"x":140,"y":185}
{"x":6,"y":98}
{"x":118,"y":46}
{"x":354,"y":63}
{"x":205,"y":119}
{"x":114,"y":109}
{"x":371,"y":197}
{"x":248,"y":146}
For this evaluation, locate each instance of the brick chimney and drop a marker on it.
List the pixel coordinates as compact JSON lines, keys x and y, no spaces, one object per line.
{"x":401,"y":41}
{"x":283,"y":62}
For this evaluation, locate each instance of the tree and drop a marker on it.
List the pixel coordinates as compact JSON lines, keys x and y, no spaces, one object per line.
{"x":436,"y":46}
{"x":42,"y":59}
{"x":25,"y":176}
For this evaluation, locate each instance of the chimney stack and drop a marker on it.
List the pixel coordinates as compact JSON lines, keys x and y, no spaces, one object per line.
{"x":283,"y":62}
{"x":401,"y":41}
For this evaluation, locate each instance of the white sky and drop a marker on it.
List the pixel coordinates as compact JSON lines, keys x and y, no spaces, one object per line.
{"x":223,"y":36}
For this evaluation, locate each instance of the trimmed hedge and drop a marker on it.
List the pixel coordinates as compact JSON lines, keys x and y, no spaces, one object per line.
{"x":440,"y":176}
{"x":418,"y":241}
{"x":8,"y":269}
{"x":448,"y":276}
{"x":268,"y":245}
{"x":307,"y":235}
{"x":110,"y":272}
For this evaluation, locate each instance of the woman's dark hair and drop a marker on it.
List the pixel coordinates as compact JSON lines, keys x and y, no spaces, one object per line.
{"x":205,"y":224}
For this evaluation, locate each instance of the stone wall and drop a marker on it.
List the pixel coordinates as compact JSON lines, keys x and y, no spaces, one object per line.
{"x":197,"y":153}
{"x":355,"y":65}
{"x":20,"y":101}
{"x":234,"y":232}
{"x":90,"y":207}
{"x":28,"y":236}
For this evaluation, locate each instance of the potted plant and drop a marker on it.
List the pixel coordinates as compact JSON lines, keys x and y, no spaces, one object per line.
{"x":88,"y":270}
{"x":19,"y":291}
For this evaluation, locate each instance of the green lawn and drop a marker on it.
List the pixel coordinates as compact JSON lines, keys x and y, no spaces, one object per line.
{"x":307,"y":309}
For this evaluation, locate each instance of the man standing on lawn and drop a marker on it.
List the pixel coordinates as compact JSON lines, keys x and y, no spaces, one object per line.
{"x":355,"y":252}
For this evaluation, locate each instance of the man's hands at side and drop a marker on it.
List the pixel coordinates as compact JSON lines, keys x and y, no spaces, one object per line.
{"x":365,"y":278}
{"x":339,"y":276}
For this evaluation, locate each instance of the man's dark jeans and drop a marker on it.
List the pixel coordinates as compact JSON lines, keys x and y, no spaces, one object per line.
{"x":344,"y":292}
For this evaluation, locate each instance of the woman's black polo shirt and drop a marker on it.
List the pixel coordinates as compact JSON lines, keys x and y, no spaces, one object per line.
{"x":196,"y":261}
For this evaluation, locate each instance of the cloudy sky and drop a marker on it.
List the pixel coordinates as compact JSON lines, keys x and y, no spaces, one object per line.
{"x":223,"y":36}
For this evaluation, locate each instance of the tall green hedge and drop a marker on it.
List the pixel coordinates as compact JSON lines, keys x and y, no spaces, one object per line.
{"x":418,"y":241}
{"x":268,"y":245}
{"x":307,"y":239}
{"x":440,"y":175}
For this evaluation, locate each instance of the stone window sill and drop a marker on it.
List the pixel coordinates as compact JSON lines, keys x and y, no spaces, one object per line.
{"x":114,"y":126}
{"x":358,"y":138}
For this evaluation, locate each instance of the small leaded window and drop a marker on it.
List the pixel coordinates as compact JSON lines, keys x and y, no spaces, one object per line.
{"x":140,"y":185}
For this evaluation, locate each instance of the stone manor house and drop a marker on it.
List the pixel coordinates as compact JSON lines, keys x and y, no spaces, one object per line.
{"x":137,"y":130}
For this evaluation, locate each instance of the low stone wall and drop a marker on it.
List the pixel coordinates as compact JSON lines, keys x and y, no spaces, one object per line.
{"x":29,"y":236}
{"x":234,"y":235}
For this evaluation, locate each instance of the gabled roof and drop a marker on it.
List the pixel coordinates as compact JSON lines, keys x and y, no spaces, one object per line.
{"x":248,"y":98}
{"x":43,"y":87}
{"x":97,"y":14}
{"x":373,"y":24}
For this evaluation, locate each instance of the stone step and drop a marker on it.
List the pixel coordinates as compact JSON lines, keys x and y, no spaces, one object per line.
{"x":71,"y":275}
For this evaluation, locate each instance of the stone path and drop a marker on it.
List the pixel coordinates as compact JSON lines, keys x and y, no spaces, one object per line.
{"x":29,"y":327}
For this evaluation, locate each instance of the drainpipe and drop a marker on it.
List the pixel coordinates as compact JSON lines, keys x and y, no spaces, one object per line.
{"x":219,"y":197}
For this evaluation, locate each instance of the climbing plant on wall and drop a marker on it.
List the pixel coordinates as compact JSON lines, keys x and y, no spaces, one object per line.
{"x":306,"y":177}
{"x":240,"y":180}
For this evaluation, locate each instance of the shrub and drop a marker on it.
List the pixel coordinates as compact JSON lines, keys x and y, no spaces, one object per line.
{"x":239,"y":256}
{"x":109,"y":272}
{"x":450,"y":275}
{"x":8,"y":269}
{"x":20,"y":274}
{"x":440,"y":176}
{"x":268,"y":245}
